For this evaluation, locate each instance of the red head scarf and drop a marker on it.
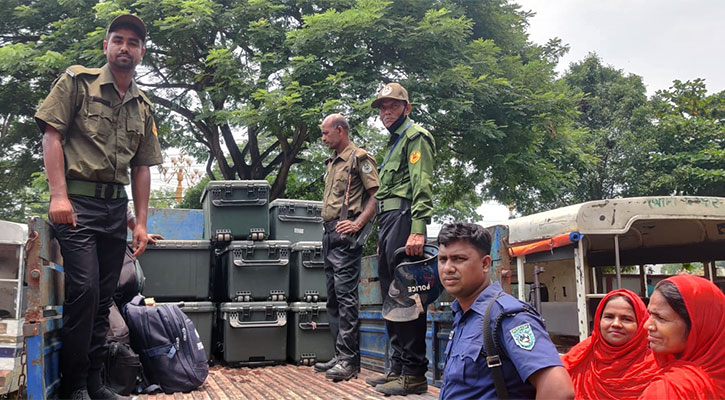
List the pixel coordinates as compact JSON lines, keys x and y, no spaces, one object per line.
{"x":700,"y":371}
{"x":602,"y":371}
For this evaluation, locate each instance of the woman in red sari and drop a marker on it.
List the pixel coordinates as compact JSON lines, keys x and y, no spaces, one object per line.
{"x":614,"y":362}
{"x":687,"y":334}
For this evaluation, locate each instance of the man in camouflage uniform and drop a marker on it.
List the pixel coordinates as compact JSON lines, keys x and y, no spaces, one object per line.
{"x":352,"y":170}
{"x":404,"y":208}
{"x":96,"y":124}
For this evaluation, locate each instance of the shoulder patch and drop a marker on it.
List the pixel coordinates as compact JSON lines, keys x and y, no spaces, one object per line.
{"x":524,"y":336}
{"x":366,"y":167}
{"x":74,"y":70}
{"x":415,"y":157}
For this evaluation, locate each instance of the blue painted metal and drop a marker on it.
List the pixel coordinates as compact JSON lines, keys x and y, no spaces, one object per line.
{"x":374,"y":341}
{"x":43,"y":347}
{"x":436,"y":337}
{"x":43,"y":316}
{"x":175,"y":223}
{"x":375,"y":344}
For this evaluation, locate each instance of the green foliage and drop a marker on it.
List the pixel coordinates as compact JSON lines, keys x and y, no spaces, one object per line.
{"x":244,"y":84}
{"x":162,"y":198}
{"x":686,"y":154}
{"x":614,"y":112}
{"x":192,"y":196}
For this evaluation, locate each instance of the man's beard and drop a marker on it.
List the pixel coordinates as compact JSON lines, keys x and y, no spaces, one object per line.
{"x":127,"y":64}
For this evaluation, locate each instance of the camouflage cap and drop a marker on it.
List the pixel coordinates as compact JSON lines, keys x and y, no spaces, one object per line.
{"x":128,"y":19}
{"x":393,"y":91}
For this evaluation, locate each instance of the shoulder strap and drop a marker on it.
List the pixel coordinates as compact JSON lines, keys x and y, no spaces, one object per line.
{"x":346,"y":199}
{"x":493,"y":358}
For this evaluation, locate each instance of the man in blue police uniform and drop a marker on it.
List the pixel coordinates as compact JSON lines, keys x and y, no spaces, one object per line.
{"x":530,"y":365}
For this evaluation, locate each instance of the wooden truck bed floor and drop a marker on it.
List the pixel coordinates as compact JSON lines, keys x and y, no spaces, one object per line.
{"x":282,"y":382}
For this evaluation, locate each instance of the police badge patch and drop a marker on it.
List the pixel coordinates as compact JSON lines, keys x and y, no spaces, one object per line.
{"x":386,"y":90}
{"x":367,"y":168}
{"x":524,"y":336}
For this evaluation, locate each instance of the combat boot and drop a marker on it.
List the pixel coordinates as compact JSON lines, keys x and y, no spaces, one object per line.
{"x":342,"y":371}
{"x":381,"y":379}
{"x":324,"y":366}
{"x":99,"y":391}
{"x":104,"y":393}
{"x":80,"y":394}
{"x":404,"y":385}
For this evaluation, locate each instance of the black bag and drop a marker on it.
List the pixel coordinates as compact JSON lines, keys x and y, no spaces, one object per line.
{"x":122,"y":368}
{"x":171,"y":352}
{"x":131,"y":280}
{"x":117,"y":328}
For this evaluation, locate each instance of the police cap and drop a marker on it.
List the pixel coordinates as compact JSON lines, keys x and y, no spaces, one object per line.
{"x":393,"y":91}
{"x":128,"y":19}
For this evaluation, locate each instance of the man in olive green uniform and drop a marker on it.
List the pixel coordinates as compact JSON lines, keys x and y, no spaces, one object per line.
{"x":351,"y":173}
{"x":404,"y":208}
{"x":96,"y":124}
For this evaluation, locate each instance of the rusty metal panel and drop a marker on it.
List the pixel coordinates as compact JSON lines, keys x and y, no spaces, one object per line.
{"x":369,"y":289}
{"x":43,"y":317}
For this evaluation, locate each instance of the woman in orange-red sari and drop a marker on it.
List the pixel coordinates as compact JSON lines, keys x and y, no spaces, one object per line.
{"x":687,"y":334}
{"x":614,"y":362}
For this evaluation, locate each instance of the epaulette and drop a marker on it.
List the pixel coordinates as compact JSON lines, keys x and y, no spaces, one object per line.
{"x":146,"y":100}
{"x":416,"y":131}
{"x":361,"y":153}
{"x":74,"y":70}
{"x":510,"y":304}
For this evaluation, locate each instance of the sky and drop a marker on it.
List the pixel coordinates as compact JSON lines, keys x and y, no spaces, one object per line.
{"x":660,"y":40}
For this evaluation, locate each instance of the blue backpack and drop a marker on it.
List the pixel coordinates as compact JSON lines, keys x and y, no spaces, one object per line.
{"x":171,"y":352}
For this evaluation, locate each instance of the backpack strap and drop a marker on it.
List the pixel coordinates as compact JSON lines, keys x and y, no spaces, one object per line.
{"x":493,"y":357}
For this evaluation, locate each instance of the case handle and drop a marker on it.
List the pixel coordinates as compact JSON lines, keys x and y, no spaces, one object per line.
{"x":287,"y":218}
{"x":308,"y":326}
{"x":280,"y":321}
{"x":313,"y":264}
{"x":242,"y":262}
{"x":231,"y":203}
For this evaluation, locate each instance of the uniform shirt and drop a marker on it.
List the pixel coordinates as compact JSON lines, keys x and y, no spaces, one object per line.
{"x":102,"y":134}
{"x":407,"y":172}
{"x":466,"y":375}
{"x":364,"y":177}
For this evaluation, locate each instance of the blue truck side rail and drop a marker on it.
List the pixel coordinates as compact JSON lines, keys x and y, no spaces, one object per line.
{"x":43,"y":316}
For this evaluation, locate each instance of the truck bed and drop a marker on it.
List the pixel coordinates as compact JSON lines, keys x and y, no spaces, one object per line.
{"x":282,"y":382}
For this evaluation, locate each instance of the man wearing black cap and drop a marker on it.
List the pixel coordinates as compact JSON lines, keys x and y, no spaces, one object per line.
{"x":96,"y":124}
{"x":404,"y":208}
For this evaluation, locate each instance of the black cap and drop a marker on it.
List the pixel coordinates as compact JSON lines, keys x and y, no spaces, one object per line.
{"x":128,"y":19}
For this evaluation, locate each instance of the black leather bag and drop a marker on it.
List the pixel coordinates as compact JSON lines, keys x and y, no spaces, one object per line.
{"x":122,"y":368}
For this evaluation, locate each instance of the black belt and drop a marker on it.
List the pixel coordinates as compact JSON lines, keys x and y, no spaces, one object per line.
{"x":99,"y":190}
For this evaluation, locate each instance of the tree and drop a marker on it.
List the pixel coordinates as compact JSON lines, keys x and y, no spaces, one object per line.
{"x":246,"y":83}
{"x":614,"y":113}
{"x":686,"y":143}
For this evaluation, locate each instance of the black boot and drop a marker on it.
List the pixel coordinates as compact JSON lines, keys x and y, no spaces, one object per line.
{"x":98,"y":391}
{"x":322,"y":367}
{"x":343,"y":371}
{"x":80,"y":394}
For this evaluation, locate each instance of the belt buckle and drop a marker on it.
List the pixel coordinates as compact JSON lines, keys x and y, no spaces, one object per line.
{"x":108,"y":191}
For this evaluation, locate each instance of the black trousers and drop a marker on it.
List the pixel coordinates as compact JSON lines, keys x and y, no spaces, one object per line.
{"x":342,"y":270}
{"x":93,"y":253}
{"x":406,"y":338}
